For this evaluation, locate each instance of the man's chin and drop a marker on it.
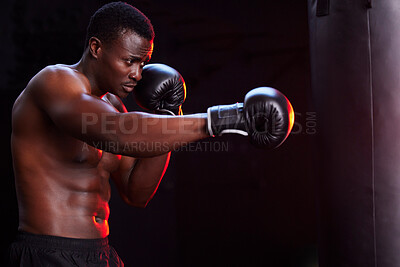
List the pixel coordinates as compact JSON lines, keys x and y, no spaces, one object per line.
{"x":120,"y":93}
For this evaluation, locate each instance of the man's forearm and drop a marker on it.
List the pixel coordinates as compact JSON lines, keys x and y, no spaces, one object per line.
{"x":141,"y":135}
{"x":145,"y":178}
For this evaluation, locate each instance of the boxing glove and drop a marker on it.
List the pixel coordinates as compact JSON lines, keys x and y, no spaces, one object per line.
{"x":266,"y":116}
{"x":161,"y":89}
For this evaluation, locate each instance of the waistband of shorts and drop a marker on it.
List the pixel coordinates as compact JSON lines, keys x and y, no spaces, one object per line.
{"x":49,"y":241}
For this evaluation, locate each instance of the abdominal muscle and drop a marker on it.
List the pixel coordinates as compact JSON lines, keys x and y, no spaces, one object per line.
{"x":67,"y":214}
{"x":65,"y":200}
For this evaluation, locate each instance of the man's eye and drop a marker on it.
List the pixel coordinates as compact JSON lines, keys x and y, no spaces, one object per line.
{"x":131,"y":60}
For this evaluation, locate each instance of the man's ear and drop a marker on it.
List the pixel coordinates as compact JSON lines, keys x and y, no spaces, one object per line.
{"x":95,"y":47}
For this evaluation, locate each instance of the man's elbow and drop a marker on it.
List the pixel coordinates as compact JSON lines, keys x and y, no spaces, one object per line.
{"x":141,"y":205}
{"x":137,"y":202}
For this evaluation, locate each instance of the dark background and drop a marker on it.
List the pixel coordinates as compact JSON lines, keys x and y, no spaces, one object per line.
{"x":237,"y":206}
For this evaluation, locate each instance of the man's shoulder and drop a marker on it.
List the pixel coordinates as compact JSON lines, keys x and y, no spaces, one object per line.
{"x":55,"y":82}
{"x":61,"y":77}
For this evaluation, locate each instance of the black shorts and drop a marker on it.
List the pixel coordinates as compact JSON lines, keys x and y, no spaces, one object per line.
{"x":43,"y":250}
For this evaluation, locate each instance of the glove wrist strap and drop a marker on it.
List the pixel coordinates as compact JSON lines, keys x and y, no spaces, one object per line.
{"x":226,"y":119}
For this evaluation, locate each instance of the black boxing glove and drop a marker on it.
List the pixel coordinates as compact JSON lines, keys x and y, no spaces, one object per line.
{"x":266,"y":116}
{"x":161,"y":89}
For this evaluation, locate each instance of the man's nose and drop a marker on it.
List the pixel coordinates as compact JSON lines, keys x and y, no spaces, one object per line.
{"x":136,"y":73}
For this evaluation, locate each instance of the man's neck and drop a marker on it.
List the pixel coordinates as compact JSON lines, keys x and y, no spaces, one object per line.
{"x":86,"y":67}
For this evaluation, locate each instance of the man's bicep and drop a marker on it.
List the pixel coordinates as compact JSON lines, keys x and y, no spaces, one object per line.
{"x":84,"y":117}
{"x":115,"y":101}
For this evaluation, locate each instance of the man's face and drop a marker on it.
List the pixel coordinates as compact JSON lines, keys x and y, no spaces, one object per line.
{"x":121,"y":63}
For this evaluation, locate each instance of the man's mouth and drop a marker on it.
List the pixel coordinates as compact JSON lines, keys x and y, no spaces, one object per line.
{"x":128,"y":87}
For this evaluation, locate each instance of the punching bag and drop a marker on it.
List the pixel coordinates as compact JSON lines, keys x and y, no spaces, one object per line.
{"x":355,"y":68}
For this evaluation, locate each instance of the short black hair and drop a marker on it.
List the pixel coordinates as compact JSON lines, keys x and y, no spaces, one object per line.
{"x":112,"y":19}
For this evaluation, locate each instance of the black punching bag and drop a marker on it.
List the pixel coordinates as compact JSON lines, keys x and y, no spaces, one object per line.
{"x":355,"y":61}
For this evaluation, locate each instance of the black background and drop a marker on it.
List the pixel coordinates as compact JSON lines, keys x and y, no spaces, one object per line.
{"x":237,"y":206}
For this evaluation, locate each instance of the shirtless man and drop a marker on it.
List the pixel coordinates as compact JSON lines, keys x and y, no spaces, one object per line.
{"x":63,"y":124}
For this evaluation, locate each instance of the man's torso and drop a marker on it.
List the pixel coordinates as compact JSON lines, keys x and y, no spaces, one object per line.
{"x":62,"y":183}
